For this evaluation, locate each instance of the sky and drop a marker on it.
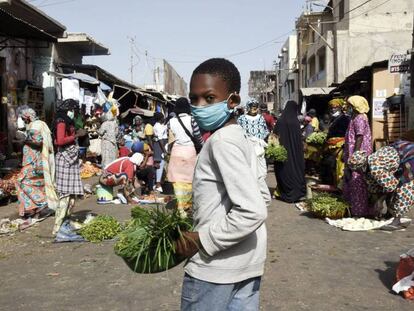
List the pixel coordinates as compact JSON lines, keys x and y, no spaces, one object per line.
{"x":184,"y":32}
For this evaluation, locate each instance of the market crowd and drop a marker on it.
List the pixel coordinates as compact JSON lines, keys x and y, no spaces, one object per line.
{"x":208,"y":140}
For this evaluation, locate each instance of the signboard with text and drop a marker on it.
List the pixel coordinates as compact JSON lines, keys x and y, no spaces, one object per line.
{"x":399,"y":63}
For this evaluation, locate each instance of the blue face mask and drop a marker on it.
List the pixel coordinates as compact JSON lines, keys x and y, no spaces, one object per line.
{"x":211,"y":117}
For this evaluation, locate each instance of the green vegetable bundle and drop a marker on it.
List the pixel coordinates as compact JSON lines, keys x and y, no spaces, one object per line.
{"x":276,"y":152}
{"x":147,"y":244}
{"x":102,"y":227}
{"x":325,"y":205}
{"x":317,"y":138}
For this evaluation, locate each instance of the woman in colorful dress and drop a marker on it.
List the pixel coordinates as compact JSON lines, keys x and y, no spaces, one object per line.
{"x":68,"y":181}
{"x":390,"y":176}
{"x":252,"y":122}
{"x":357,"y":138}
{"x":34,"y":186}
{"x":183,"y":153}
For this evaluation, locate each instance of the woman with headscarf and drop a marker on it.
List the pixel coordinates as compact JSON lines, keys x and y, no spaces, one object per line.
{"x":108,"y":132}
{"x":138,"y":130}
{"x":68,"y":181}
{"x":290,"y":175}
{"x":332,"y":166}
{"x":357,"y":138}
{"x":183,"y":153}
{"x":253,"y":122}
{"x":34,"y":185}
{"x":389,"y":173}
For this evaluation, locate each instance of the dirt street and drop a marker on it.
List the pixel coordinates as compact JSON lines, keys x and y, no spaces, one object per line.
{"x":310,"y":266}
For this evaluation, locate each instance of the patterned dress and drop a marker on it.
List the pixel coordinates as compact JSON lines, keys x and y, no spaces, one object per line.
{"x":30,"y":183}
{"x":254,"y":125}
{"x":355,"y":190}
{"x":391,"y":171}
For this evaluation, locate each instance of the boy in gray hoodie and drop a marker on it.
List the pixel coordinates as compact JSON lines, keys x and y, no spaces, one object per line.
{"x":227,"y":251}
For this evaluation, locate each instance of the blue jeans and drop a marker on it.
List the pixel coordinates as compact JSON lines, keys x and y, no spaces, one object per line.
{"x":199,"y":295}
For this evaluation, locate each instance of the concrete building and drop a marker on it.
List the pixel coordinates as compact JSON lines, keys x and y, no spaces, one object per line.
{"x":262,"y":86}
{"x":167,"y":80}
{"x":287,"y":70}
{"x":348,"y":35}
{"x":31,"y":45}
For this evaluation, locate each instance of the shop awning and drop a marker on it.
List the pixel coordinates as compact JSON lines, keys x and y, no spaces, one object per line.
{"x":78,"y":76}
{"x":97,"y":72}
{"x":311,"y":91}
{"x":12,"y":26}
{"x":137,"y":110}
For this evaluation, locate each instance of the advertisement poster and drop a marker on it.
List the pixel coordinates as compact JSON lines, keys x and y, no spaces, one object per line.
{"x":378,"y":108}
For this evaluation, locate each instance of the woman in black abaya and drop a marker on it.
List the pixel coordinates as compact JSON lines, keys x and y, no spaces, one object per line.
{"x":290,"y":175}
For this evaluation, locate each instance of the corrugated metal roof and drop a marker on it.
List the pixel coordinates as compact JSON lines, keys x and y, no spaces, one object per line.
{"x":309,"y":91}
{"x":31,"y":14}
{"x":13,"y":26}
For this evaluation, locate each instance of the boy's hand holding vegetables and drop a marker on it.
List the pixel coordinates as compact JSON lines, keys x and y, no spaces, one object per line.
{"x":188,"y":244}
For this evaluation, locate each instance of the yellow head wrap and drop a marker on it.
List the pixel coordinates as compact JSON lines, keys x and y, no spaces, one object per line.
{"x":336,"y":103}
{"x":359,"y":103}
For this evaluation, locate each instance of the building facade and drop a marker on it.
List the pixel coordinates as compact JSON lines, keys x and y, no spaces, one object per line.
{"x":287,"y":72}
{"x":348,"y":35}
{"x":262,"y":87}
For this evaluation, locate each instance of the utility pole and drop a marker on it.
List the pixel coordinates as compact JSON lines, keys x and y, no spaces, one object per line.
{"x":276,"y":104}
{"x":131,"y":68}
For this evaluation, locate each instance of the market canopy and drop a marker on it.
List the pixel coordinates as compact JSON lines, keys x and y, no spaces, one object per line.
{"x":137,"y":110}
{"x":311,"y":91}
{"x":97,"y":72}
{"x":78,"y":76}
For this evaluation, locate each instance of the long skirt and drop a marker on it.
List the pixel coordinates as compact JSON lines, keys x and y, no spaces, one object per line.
{"x":30,"y":188}
{"x":109,"y":152}
{"x":356,"y":193}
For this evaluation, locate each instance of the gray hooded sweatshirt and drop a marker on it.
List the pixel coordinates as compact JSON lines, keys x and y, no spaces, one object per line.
{"x":229,"y":210}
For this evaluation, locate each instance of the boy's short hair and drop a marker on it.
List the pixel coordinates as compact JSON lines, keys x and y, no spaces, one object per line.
{"x":223,"y":68}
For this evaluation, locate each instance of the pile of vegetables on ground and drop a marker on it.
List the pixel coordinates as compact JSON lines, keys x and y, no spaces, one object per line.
{"x":326,"y":205}
{"x":147,"y":243}
{"x":317,"y":138}
{"x":102,"y":227}
{"x":276,"y":152}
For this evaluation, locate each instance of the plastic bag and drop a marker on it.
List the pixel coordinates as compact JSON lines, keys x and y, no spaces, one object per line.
{"x":405,"y":275}
{"x":95,"y":146}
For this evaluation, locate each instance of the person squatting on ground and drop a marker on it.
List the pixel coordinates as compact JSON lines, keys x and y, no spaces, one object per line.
{"x":121,"y":172}
{"x":389,"y":172}
{"x":183,"y":152}
{"x":35,"y":189}
{"x":68,"y":181}
{"x":145,"y":171}
{"x":357,"y":138}
{"x":227,"y":251}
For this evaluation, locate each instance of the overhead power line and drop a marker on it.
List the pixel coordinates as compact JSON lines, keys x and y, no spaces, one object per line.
{"x":54,"y":3}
